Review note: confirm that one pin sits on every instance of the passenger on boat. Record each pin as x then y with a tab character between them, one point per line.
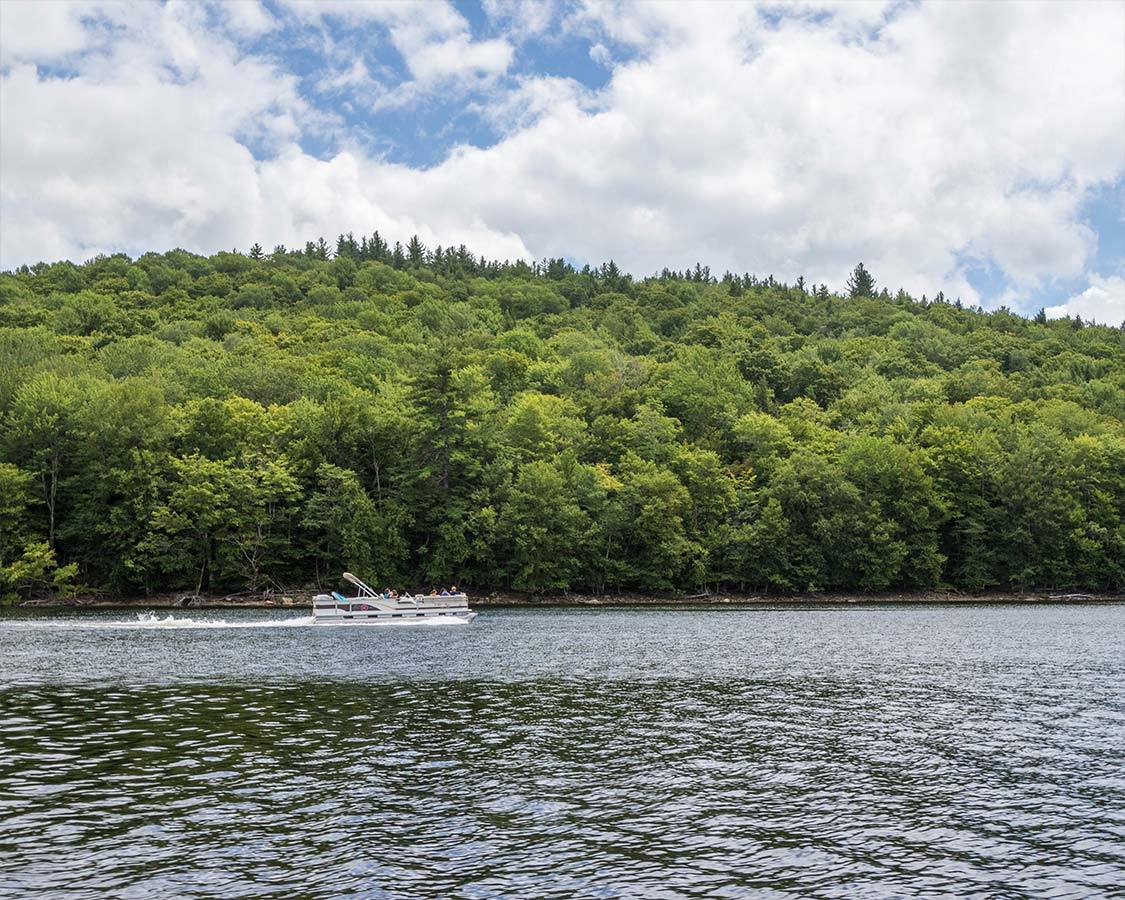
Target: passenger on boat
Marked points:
454	591
433	592
445	593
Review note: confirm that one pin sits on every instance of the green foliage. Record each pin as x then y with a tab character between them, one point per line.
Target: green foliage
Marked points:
36	572
548	530
861	283
227	422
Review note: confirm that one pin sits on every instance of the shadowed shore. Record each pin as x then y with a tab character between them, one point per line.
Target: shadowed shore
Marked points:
296	599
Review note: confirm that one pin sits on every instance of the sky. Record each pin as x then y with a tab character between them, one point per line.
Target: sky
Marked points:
972	148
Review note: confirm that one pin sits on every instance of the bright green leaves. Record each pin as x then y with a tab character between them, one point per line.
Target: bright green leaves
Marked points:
551	536
179	420
221	518
540	426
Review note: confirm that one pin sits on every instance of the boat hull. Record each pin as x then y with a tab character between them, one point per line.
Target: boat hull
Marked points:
384	618
331	610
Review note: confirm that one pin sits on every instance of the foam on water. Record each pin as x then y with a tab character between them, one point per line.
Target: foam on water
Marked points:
151	621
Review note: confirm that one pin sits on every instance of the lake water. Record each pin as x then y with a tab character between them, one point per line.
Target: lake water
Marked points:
852	751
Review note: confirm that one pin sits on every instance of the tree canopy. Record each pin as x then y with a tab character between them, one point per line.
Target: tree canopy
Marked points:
860	284
421	414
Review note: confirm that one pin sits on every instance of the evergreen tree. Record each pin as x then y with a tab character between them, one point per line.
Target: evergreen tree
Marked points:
347	247
861	284
256	251
377	249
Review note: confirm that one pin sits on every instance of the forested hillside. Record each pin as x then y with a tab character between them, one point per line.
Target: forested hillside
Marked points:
184	422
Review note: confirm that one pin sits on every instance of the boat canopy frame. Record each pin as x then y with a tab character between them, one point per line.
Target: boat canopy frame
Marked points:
364	590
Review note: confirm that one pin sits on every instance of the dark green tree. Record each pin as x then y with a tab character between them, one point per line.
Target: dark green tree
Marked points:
861	283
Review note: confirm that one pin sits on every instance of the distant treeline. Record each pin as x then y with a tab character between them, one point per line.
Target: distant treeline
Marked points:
423	416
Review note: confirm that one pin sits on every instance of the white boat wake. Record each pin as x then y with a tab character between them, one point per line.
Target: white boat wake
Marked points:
152	621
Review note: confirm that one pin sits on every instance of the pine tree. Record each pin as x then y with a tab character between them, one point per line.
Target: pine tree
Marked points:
861	283
256	251
415	251
346	246
377	249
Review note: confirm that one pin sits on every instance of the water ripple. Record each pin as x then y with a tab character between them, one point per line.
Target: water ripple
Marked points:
475	764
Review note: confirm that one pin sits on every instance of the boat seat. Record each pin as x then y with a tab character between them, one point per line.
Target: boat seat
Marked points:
338	597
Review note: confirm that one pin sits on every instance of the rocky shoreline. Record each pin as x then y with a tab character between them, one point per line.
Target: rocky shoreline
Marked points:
303	598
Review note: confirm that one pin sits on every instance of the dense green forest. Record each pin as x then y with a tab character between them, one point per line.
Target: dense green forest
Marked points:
180	422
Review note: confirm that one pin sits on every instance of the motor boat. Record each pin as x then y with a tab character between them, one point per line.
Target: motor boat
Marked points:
369	606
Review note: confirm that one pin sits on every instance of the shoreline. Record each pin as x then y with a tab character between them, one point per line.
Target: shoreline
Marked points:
300	599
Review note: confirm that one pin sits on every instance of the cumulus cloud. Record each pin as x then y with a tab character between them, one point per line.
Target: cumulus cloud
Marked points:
432	37
44	32
523	18
533	98
601	54
789	140
1103	301
246	18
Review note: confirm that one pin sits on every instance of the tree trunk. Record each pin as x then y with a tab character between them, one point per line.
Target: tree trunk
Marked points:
49	492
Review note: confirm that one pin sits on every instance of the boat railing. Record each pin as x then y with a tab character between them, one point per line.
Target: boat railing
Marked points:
338	601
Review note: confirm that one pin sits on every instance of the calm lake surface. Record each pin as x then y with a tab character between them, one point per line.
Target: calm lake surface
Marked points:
853	751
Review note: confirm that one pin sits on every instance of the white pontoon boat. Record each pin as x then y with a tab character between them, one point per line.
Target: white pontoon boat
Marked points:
369	606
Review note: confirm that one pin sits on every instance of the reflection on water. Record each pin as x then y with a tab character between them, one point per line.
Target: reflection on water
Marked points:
614	753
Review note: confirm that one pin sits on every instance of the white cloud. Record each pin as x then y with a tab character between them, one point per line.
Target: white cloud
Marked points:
147	137
533	98
791	144
1103	301
459	55
523	18
247	18
43	32
600	54
433	38
354	76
